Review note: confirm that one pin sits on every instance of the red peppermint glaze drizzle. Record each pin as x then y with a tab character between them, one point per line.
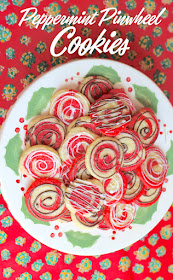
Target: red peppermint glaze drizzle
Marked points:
68	107
45	199
121	94
110	115
84	197
120	215
153	170
42	163
115	188
46	132
95	88
134	153
145	123
78	169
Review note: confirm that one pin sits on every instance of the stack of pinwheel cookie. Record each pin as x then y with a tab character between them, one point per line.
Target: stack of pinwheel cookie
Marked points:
92	158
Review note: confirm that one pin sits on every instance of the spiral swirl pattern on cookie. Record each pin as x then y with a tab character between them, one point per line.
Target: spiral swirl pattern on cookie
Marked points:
84	197
45	199
122	215
109	114
104	157
95	86
42	163
68	105
134	153
153	170
134	186
78	169
48	131
146	125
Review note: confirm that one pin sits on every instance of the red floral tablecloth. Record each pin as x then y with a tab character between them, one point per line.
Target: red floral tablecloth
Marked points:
24	54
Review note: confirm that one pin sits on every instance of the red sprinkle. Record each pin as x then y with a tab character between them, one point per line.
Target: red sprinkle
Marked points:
52	235
56	227
114	232
161	132
170	131
158	120
130	227
21	120
22	189
128	79
60	234
166	180
130	89
17	129
78	73
17	181
72	78
66	80
164	125
164	190
25	127
24	175
113	237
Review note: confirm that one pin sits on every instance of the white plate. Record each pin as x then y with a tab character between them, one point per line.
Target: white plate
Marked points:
81	242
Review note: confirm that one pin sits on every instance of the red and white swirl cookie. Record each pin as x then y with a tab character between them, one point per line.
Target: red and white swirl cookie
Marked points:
104	157
45	199
45	130
85	197
78	169
149	197
145	123
115	188
120	215
135	187
153	170
94	87
68	104
121	94
87	223
75	143
134	153
40	161
110	114
84	122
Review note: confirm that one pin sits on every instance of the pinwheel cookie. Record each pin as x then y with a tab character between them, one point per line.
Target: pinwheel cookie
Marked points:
45	130
40	161
76	143
145	123
45	199
94	87
104	157
68	104
85	197
110	114
120	215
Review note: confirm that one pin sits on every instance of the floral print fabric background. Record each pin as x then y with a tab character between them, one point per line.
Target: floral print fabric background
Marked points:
24	54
